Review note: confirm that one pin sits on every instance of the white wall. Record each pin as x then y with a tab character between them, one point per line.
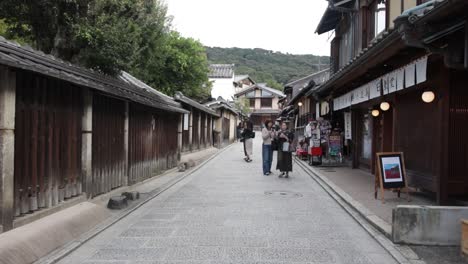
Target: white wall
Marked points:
223	87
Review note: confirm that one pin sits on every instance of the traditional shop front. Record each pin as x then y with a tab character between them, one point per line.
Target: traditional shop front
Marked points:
406	92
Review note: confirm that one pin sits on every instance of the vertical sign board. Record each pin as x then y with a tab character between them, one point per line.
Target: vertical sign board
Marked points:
390	173
347	125
317	111
186	122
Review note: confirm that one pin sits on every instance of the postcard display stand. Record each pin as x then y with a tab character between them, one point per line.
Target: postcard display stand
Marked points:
390	174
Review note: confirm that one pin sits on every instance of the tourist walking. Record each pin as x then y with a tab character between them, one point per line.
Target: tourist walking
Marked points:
268	135
239	131
285	139
247	138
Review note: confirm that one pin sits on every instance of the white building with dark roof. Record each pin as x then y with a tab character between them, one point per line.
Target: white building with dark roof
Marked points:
222	78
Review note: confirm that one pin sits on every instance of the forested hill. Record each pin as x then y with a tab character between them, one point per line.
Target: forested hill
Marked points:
274	68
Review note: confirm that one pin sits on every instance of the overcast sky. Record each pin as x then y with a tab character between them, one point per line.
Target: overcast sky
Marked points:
278	25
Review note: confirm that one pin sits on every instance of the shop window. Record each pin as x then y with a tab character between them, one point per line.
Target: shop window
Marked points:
267	103
252	103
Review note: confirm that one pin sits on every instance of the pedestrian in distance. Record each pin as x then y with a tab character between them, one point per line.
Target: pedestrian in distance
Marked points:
239	131
247	138
268	134
285	148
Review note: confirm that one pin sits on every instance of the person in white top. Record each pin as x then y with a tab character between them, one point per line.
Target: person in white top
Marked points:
268	135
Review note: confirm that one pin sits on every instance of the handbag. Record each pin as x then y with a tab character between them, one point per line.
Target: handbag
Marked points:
285	147
274	145
252	134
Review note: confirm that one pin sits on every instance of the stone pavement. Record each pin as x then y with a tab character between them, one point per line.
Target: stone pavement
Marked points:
228	212
359	185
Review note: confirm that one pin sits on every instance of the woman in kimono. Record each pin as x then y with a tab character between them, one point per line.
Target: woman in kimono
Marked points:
285	139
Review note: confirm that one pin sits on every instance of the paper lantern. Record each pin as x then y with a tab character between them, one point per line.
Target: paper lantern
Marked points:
428	96
375	113
384	106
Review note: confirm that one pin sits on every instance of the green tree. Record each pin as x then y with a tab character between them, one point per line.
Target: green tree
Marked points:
265	66
185	68
242	104
110	36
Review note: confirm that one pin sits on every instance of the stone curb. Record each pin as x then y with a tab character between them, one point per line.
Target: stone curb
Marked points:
374	225
62	252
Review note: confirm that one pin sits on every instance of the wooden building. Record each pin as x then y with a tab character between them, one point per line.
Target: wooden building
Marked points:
224	128
263	102
400	69
197	131
68	132
299	105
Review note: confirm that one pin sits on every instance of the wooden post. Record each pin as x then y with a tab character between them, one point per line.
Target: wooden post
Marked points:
126	175
7	146
206	130
179	136
191	129
87	138
199	130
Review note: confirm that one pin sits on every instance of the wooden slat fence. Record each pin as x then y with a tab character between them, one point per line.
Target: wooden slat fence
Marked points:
152	142
47	142
196	134
108	158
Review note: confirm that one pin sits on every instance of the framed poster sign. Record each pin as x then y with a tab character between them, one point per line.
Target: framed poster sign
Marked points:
390	173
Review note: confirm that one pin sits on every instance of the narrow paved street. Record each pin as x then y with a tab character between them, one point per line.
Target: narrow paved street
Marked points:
228	212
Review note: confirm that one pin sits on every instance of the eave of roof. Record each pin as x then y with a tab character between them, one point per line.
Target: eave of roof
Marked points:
182	98
262	87
15	56
329	21
382	42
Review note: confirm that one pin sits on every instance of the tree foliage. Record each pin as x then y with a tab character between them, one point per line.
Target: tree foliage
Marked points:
111	36
273	68
242	104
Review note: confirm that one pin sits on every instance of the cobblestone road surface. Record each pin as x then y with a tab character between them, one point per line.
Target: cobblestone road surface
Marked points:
228	212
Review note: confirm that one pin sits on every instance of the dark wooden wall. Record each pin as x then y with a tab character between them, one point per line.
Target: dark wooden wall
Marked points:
108	158
203	126
47	142
226	129
416	136
196	135
152	142
209	132
458	135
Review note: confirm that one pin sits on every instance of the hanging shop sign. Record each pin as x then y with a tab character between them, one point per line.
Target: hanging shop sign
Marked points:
347	125
402	78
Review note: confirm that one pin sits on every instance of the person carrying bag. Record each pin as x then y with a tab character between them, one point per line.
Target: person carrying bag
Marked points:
285	139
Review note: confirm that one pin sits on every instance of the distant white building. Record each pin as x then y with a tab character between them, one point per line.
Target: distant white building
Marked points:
222	78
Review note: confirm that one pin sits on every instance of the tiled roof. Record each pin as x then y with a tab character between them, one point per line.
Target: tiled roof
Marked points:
298	85
221	103
261	86
221	71
184	99
15	56
266	111
374	47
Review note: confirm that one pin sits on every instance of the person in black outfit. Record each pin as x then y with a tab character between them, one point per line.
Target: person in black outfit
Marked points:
247	137
284	164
